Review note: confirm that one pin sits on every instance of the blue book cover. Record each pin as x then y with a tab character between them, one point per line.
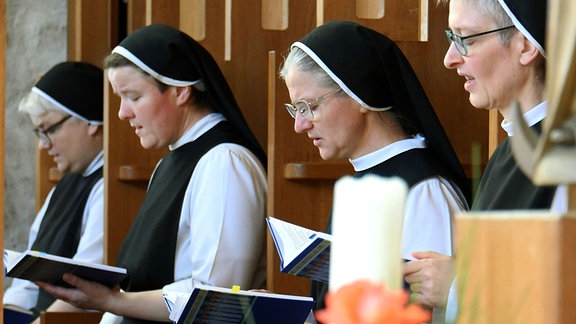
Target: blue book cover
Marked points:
14	315
40	266
227	306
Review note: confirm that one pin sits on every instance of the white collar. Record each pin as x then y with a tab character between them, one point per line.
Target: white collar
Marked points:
374	158
531	117
96	163
199	128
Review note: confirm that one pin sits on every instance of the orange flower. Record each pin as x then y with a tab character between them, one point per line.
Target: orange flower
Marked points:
365	302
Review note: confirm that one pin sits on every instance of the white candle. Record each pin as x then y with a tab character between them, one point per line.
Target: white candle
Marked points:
367	220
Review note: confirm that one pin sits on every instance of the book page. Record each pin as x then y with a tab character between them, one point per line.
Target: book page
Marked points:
290	238
10	257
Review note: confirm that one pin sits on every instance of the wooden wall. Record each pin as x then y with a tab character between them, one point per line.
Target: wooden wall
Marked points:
247	38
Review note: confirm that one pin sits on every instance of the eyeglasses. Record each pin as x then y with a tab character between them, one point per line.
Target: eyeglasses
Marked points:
43	134
305	108
459	40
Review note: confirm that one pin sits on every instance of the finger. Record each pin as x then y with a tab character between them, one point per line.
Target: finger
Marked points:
73	280
411	267
425	255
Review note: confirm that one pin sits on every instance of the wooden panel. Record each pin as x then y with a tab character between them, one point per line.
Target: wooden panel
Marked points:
162	12
71	317
124	190
89	34
370	9
193	18
317	170
136	13
274	14
495	133
402	20
494	284
90	39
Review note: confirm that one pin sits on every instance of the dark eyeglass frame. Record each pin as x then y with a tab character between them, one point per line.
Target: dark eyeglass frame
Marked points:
459	40
305	107
43	134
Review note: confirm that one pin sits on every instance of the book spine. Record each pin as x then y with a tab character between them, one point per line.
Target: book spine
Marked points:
22	267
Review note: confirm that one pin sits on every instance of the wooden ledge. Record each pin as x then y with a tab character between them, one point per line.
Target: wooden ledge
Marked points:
134	172
317	170
70	317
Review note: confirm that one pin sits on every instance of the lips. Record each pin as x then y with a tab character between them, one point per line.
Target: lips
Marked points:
137	129
470	81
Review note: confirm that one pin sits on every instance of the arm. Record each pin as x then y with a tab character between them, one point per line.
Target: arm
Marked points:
225	220
91	295
431	207
225	206
24	293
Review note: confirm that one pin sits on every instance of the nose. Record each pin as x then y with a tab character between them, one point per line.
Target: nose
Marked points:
301	125
453	58
125	113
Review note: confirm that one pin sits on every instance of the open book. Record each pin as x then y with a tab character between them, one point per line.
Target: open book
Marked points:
40	266
9	257
303	252
209	304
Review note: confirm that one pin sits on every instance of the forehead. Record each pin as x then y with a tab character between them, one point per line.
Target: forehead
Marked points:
47	118
468	16
301	84
126	77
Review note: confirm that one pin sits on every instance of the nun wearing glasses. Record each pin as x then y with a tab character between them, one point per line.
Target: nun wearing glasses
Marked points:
66	110
498	47
356	97
203	217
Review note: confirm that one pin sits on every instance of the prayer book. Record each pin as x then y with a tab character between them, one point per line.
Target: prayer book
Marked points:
41	266
303	252
16	315
208	304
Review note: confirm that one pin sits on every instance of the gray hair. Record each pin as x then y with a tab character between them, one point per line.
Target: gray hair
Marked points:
35	105
494	11
298	60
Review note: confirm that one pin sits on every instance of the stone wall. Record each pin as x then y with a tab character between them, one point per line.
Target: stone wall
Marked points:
36	41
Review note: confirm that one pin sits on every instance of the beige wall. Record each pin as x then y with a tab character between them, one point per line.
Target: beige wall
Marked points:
36	40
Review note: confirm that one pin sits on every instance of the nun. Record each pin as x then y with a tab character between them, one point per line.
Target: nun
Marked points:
354	94
66	108
498	47
202	219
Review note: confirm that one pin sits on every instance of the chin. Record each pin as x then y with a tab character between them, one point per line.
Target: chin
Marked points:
326	156
63	168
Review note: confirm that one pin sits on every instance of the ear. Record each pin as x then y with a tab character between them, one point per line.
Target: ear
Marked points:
93	129
182	94
529	53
